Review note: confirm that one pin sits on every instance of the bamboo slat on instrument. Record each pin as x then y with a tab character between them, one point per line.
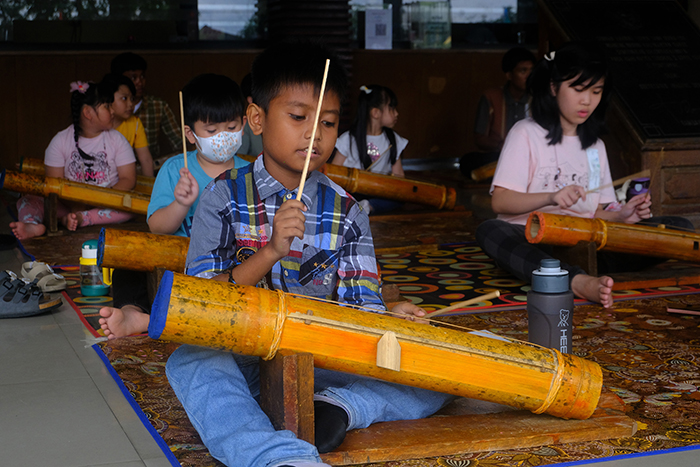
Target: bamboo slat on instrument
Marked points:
386	186
256	321
141	251
553	229
74	191
28	165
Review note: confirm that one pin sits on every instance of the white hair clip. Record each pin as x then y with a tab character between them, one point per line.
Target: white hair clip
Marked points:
365	89
549	57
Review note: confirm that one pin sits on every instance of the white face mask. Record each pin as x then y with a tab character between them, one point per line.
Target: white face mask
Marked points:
221	147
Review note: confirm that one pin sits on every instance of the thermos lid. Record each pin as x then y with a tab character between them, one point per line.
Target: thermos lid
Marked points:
90	249
550	277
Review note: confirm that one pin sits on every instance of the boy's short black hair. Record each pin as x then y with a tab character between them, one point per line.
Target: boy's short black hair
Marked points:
293	63
127	61
120	80
515	56
212	98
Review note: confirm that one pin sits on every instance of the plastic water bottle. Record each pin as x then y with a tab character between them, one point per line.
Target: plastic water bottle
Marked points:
550	307
94	281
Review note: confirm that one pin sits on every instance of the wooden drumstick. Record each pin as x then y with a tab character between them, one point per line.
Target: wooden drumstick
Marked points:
458	305
182	124
313	132
620	181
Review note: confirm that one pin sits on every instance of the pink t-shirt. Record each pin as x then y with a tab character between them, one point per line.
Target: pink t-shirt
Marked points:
110	150
528	164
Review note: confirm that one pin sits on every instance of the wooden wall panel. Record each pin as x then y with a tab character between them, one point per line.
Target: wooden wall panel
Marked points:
438	91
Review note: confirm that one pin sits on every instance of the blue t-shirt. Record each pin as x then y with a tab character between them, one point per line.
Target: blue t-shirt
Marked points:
169	175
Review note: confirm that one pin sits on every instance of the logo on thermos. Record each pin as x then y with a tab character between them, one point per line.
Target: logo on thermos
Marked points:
563	323
563	317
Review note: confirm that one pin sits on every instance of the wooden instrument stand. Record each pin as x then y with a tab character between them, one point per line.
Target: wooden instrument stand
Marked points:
286	396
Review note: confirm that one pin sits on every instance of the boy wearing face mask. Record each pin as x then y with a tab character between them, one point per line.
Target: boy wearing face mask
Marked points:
214	119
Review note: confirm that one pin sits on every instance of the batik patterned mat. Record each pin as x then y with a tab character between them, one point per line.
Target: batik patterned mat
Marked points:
649	359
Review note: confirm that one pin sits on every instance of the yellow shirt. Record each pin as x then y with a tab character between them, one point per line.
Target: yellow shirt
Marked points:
132	129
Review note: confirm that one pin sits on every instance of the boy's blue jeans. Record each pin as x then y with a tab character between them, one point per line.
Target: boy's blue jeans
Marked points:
218	391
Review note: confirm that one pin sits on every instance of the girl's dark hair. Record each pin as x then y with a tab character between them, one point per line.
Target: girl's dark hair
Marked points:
95	95
212	98
583	61
376	97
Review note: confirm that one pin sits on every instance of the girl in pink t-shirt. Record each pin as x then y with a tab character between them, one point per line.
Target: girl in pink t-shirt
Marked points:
88	151
555	162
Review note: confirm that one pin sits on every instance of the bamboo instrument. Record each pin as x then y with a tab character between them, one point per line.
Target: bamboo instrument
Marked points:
141	251
74	191
259	322
352	180
484	172
386	186
28	165
553	229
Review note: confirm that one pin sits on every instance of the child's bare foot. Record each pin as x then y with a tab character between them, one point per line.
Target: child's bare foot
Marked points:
24	230
128	320
595	289
72	220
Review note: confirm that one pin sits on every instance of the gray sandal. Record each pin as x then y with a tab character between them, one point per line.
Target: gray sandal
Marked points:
19	298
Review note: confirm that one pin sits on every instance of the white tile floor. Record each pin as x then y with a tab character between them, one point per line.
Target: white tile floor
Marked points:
59	406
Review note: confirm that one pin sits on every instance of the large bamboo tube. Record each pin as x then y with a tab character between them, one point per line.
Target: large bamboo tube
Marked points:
255	321
28	165
141	251
554	229
74	191
396	188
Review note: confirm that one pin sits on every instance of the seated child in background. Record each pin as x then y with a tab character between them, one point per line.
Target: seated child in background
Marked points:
155	114
371	144
250	229
214	118
88	151
129	125
555	162
252	144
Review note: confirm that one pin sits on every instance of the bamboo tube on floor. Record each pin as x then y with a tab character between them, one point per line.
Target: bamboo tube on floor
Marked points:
484	172
396	188
141	251
28	165
554	229
353	180
258	322
73	191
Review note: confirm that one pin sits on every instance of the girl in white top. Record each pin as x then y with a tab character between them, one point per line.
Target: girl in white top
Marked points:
555	162
88	151
371	144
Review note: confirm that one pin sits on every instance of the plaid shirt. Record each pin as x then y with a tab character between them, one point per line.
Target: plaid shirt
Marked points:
155	114
335	260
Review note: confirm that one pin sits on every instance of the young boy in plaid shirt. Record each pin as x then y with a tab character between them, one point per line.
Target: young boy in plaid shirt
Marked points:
249	228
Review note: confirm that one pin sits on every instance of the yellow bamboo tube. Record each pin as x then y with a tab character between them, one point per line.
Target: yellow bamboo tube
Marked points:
141	251
74	191
396	188
27	165
258	322
484	172
554	229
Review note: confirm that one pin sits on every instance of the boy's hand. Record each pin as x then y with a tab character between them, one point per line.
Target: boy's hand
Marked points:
410	312
568	196
636	209
288	223
187	188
